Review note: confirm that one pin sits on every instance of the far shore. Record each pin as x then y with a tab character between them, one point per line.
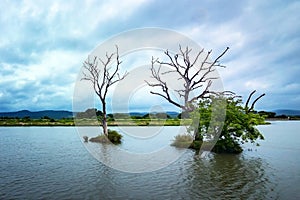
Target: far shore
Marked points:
121	122
92	122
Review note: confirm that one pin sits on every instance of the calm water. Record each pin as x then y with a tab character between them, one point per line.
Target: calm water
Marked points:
52	163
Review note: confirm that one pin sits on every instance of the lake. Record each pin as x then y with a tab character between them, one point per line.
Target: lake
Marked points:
54	163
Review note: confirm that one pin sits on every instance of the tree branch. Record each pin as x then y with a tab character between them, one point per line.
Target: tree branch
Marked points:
252	106
184	70
248	100
109	76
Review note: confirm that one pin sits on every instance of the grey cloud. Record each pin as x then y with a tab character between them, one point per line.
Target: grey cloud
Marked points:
264	43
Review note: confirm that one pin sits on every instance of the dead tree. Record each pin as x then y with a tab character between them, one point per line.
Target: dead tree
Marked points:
102	76
247	109
195	76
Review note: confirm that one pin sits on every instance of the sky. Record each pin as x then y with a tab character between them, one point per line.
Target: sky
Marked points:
44	43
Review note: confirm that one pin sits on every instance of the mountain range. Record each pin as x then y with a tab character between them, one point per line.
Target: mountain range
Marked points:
59	114
55	114
287	112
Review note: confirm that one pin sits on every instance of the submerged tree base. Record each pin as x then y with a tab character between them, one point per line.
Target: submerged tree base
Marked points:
223	146
219	147
113	137
186	141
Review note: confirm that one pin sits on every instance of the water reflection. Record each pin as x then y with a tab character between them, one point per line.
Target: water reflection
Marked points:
135	154
51	163
229	177
190	177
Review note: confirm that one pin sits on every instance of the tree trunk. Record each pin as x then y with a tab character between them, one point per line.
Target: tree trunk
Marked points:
195	124
104	120
104	125
196	134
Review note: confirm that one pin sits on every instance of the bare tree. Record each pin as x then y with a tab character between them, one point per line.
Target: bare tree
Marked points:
102	76
195	76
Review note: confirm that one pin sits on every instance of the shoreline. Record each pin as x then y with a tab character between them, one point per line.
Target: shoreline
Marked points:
86	123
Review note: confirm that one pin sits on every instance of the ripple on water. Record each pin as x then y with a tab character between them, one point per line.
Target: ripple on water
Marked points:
52	163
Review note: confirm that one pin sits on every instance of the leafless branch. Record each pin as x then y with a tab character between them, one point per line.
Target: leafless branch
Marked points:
247	109
194	77
248	100
252	105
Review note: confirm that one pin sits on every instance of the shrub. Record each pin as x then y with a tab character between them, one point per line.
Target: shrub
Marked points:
113	137
182	141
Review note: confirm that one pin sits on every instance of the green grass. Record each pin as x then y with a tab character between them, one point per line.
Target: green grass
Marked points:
35	122
91	122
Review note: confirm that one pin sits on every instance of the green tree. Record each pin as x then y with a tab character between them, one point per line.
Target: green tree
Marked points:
237	127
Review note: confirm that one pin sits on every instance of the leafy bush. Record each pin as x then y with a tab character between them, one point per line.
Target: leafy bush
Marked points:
113	137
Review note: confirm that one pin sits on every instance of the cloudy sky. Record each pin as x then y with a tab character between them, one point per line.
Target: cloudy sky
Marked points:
43	44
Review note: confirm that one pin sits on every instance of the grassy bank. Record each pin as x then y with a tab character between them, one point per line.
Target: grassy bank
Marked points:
90	122
94	122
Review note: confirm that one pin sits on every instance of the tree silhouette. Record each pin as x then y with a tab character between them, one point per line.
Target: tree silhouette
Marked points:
195	76
196	73
102	76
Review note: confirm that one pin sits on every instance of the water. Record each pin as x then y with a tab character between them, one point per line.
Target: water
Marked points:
52	163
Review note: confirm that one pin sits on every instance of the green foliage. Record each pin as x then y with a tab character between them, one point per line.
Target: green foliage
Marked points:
26	118
227	146
237	127
267	114
110	118
113	137
156	116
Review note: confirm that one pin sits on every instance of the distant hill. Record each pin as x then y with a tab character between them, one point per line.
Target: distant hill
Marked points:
59	114
38	114
287	112
137	114
172	114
